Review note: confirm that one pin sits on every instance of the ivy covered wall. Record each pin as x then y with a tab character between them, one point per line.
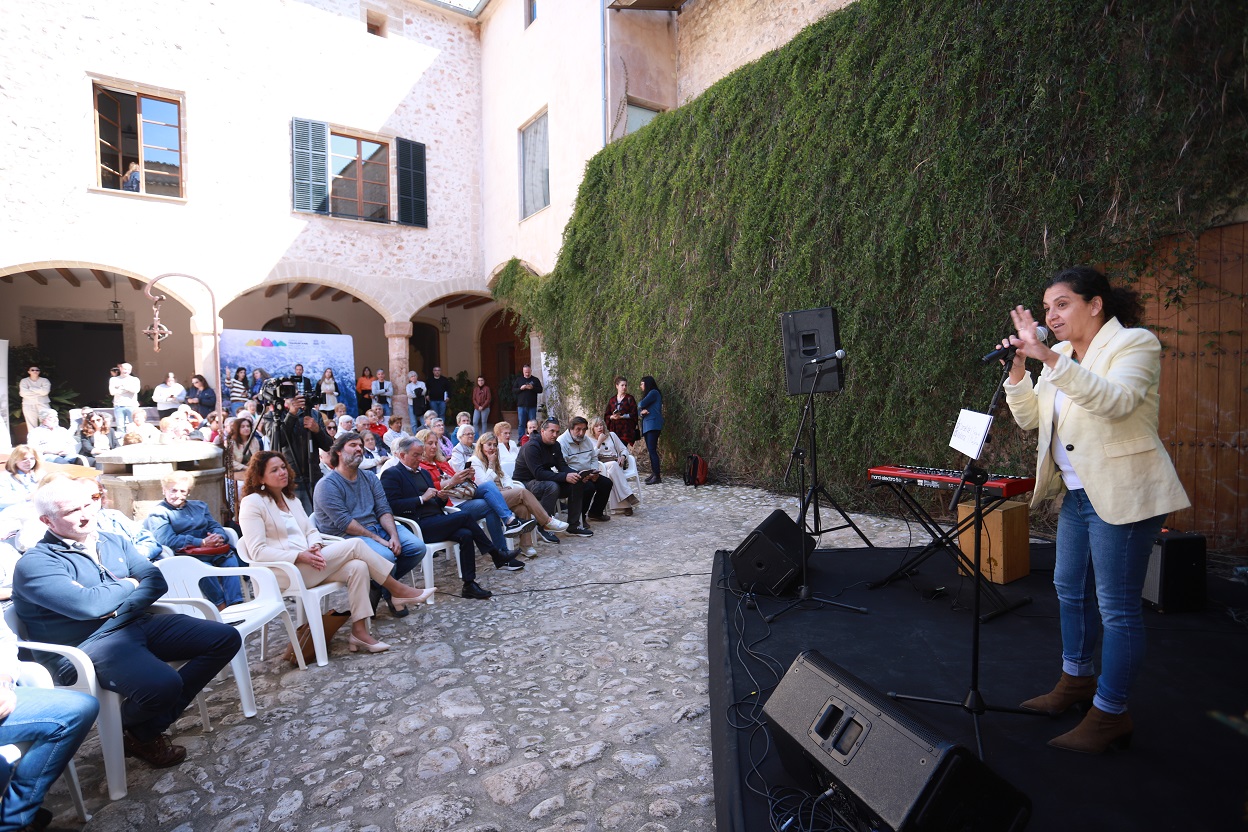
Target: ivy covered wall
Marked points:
921	167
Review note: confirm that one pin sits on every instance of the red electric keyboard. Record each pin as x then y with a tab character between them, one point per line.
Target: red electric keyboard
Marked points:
998	485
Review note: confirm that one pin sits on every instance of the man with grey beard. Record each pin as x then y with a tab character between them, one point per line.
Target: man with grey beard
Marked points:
351	503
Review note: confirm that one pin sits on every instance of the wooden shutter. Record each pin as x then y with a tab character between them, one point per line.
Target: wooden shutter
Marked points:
413	199
310	163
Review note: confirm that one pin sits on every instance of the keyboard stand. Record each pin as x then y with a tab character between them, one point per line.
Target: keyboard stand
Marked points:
947	540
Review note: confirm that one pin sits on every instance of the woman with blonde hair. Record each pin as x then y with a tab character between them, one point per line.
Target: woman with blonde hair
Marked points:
276	528
22	473
616	463
487	468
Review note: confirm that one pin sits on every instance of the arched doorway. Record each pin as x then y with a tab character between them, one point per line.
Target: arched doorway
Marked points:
302	323
424	349
503	352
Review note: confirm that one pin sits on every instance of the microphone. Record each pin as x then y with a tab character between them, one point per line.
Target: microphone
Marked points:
1002	353
839	355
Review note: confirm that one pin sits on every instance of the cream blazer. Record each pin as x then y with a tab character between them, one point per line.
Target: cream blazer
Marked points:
265	530
1108	425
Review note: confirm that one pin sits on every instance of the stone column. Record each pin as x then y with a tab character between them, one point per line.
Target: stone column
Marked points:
204	351
398	338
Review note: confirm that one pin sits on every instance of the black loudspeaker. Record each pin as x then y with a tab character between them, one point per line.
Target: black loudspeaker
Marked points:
1176	573
769	560
832	729
809	334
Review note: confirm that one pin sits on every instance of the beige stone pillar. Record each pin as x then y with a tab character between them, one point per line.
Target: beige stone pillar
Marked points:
398	338
204	351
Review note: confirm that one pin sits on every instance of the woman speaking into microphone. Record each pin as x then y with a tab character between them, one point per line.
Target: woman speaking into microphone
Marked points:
1095	406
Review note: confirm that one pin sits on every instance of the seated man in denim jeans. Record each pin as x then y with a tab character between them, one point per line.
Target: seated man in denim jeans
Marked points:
183	524
350	502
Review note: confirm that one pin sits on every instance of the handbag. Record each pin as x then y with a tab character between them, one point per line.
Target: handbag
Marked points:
206	551
332	621
463	491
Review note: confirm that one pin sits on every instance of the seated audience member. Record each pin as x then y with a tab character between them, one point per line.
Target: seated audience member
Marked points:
9	556
483	503
351	503
54	723
461	454
392	435
92	591
413	494
145	429
487	469
22	472
426	421
445	445
581	454
53	442
616	463
542	469
187	527
340	410
374	452
94	436
507	450
112	521
530	430
377	421
346	424
276	528
243	444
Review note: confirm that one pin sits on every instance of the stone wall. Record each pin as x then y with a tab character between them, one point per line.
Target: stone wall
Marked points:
717	36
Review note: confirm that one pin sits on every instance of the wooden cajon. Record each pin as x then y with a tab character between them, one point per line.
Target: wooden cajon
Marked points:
1005	554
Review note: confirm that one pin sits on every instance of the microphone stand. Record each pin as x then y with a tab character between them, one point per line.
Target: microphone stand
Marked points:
973	703
811	497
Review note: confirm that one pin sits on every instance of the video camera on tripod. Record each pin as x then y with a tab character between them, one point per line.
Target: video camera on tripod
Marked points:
276	391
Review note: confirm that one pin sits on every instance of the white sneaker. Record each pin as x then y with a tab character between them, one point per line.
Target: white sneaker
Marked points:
555	525
530	552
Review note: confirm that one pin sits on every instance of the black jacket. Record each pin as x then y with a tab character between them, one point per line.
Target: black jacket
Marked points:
403	490
526	398
539	461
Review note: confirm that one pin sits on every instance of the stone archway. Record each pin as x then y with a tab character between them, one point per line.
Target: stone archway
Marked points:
503	352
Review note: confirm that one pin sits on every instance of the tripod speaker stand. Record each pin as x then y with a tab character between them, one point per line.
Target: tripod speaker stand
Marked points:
810	497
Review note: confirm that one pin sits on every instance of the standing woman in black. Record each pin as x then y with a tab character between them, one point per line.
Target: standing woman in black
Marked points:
651	409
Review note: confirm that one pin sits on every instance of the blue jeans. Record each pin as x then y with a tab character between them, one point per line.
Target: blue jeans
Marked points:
439	408
481	421
652	448
523	415
56	722
121	417
1102	564
487	506
409	555
228	590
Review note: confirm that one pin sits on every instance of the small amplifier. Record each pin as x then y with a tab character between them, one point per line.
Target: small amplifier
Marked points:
1176	573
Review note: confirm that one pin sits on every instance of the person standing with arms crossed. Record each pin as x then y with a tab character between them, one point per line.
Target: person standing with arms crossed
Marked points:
36	393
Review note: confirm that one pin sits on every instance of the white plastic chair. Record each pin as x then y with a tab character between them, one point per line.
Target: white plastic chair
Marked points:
307	601
35	675
108	724
183	575
633	472
447	547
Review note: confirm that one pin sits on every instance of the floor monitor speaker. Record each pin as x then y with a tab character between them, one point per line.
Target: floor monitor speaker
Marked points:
832	729
1176	577
769	560
807	334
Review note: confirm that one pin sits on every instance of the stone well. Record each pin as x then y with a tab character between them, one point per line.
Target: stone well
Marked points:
132	475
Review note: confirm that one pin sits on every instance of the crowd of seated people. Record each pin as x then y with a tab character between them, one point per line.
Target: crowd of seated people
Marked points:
77	572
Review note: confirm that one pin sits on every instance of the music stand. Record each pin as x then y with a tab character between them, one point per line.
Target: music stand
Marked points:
973	703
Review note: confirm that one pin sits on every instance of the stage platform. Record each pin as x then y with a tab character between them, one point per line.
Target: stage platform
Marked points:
1187	769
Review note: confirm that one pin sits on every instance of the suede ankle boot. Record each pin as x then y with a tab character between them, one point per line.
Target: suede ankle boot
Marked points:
1069	691
1097	732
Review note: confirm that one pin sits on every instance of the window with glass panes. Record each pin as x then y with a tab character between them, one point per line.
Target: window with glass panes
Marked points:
360	178
140	142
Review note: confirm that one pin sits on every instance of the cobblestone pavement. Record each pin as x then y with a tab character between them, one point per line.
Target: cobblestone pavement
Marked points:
575	699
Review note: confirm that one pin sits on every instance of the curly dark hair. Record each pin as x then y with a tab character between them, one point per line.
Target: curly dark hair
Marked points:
255	474
1118	301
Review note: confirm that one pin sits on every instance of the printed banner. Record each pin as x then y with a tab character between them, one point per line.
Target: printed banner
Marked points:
277	353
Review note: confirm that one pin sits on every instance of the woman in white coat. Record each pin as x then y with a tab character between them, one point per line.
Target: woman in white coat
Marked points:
276	528
486	467
1095	406
616	462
